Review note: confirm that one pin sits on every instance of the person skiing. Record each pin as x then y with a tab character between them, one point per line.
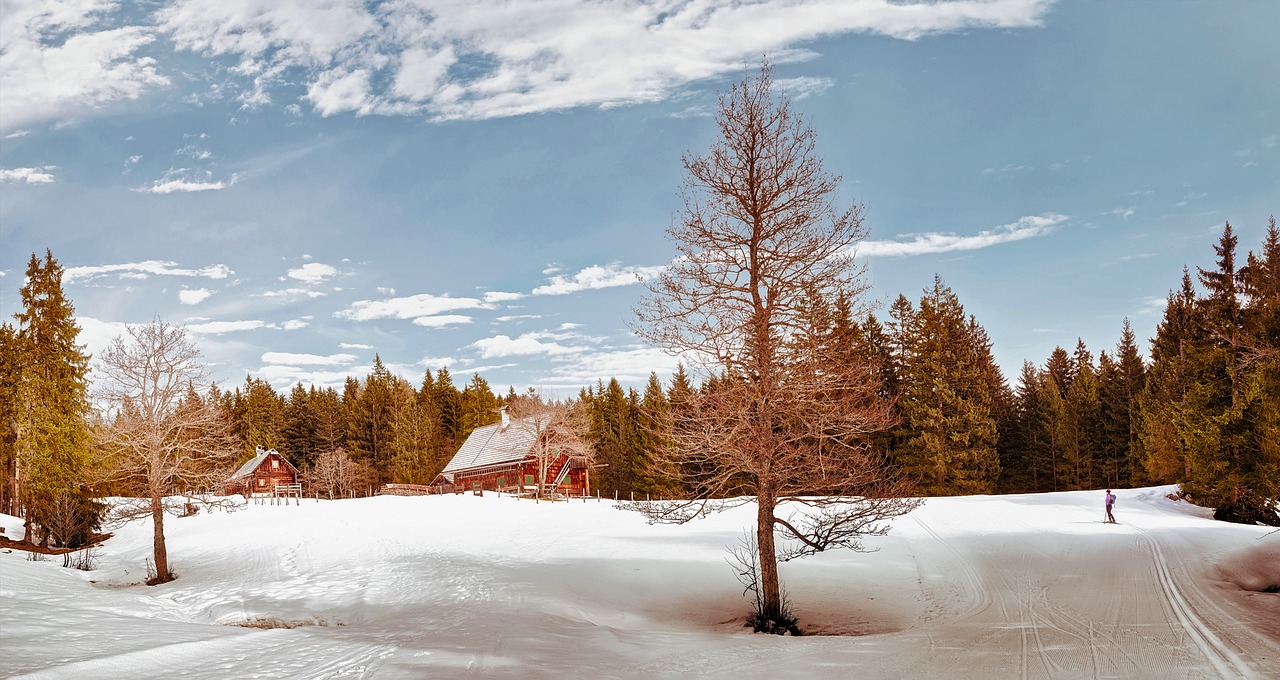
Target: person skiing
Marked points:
1111	500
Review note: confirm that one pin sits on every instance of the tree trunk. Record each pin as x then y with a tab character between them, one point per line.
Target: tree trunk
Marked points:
770	594
161	554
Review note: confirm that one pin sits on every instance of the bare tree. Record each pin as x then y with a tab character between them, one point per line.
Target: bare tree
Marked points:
780	420
335	473
555	428
157	433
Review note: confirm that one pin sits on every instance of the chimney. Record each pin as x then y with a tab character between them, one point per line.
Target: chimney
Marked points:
506	419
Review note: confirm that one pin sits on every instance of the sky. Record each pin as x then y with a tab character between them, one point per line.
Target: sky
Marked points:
485	186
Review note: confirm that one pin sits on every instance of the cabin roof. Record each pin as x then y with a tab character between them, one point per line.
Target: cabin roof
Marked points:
253	463
492	445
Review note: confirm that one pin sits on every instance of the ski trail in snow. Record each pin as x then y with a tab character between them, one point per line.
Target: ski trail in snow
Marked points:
980	596
1220	655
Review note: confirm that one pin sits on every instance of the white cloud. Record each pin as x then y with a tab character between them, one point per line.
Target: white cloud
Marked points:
184	180
805	86
294	292
313	272
527	344
411	307
308	359
17	133
354	345
296	324
435	363
54	65
193	296
938	242
220	327
517	317
40	175
631	365
142	270
597	276
283	377
442	321
498	296
479	60
96	335
1010	169
1125	212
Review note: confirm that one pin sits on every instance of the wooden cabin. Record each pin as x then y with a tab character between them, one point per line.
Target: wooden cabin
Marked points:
262	474
502	457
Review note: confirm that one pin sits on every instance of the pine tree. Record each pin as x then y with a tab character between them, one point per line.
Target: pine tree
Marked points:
478	407
1083	411
369	429
1121	381
10	374
51	432
259	417
1020	469
950	444
1169	379
413	433
448	406
300	430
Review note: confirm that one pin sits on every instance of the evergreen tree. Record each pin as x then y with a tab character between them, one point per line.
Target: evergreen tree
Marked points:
1021	462
1122	380
51	442
259	417
1169	379
10	374
369	428
448	404
1083	415
950	445
300	431
413	434
478	407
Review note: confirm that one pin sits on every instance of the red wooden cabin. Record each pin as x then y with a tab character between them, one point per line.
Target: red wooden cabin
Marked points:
262	474
503	457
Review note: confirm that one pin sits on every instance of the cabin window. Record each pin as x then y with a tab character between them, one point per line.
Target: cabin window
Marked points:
262	482
528	479
502	481
275	464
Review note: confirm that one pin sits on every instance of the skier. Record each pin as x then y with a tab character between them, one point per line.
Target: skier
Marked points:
1111	500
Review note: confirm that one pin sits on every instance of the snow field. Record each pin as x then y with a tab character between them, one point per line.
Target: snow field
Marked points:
1030	586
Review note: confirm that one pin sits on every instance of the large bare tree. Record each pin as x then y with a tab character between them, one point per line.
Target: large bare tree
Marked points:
763	247
158	435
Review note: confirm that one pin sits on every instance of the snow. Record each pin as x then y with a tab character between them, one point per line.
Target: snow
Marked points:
1025	586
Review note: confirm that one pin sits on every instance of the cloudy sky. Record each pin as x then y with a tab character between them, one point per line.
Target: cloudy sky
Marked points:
482	185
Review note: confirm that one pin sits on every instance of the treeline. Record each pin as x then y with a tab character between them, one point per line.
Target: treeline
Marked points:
1203	411
379	429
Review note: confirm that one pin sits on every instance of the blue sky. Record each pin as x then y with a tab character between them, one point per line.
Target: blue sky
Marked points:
482	187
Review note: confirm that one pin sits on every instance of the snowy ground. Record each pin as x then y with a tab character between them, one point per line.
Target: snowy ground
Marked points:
1029	586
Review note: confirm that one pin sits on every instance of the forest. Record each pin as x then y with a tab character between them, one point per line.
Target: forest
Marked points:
1201	409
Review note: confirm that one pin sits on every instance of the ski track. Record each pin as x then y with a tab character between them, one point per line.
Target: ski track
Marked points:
1224	659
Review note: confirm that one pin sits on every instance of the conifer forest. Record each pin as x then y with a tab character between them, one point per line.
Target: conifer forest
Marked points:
1197	405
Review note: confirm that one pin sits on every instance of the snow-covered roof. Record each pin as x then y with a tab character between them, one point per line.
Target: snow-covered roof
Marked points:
492	445
253	463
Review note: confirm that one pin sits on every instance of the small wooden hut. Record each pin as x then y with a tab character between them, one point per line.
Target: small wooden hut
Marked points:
262	474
